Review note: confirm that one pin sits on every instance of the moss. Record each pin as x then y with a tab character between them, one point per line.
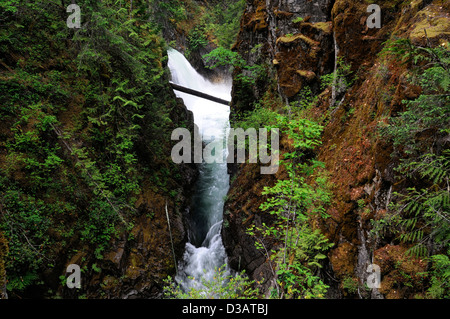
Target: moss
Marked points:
343	259
294	38
350	284
400	271
323	26
430	25
309	75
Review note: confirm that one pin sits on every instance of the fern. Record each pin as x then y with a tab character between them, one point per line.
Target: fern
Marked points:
21	282
428	207
440	279
421	214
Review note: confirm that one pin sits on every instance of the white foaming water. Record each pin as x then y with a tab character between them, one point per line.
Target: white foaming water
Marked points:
204	252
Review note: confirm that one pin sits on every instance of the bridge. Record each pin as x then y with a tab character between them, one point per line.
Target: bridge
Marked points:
199	94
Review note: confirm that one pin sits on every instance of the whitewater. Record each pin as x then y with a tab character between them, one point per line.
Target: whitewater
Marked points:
204	251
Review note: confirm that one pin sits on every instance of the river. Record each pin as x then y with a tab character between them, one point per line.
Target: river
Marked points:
204	252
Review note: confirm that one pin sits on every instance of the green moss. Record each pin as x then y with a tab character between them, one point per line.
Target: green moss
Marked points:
88	120
293	38
324	26
430	26
309	75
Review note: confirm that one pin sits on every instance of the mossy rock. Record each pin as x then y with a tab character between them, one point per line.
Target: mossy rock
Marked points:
323	26
431	27
309	75
291	39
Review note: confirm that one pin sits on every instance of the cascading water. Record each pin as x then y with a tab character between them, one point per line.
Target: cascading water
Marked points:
204	252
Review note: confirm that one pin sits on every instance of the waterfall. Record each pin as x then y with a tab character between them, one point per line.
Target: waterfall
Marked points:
204	252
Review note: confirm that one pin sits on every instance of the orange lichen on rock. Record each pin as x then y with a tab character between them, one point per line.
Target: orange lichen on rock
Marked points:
256	20
399	271
343	259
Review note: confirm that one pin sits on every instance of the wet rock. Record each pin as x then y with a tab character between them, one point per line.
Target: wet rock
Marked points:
299	53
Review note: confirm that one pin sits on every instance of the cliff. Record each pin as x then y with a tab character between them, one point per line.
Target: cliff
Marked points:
85	171
297	43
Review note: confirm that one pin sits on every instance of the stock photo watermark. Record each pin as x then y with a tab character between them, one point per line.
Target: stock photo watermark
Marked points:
373	280
74	279
374	20
74	20
214	152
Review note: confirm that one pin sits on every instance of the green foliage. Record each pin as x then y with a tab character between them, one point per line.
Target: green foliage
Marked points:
249	74
422	212
223	286
20	283
341	79
172	10
293	203
24	221
214	23
225	57
9	6
260	117
423	215
86	118
299	281
350	284
419	215
298	20
440	279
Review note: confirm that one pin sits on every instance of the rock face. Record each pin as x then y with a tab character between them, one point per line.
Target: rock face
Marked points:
139	258
292	39
298	42
112	183
318	11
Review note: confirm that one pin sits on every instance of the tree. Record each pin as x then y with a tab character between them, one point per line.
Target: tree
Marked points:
294	202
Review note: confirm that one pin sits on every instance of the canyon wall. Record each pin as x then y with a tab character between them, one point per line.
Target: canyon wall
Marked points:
298	42
85	143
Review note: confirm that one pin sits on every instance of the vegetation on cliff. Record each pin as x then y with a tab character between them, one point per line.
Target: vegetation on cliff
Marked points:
86	121
383	105
419	215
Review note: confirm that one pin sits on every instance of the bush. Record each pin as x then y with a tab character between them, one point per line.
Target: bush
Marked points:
223	286
293	203
419	215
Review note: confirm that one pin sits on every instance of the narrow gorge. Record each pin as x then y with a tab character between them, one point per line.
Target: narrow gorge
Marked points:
359	207
204	253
